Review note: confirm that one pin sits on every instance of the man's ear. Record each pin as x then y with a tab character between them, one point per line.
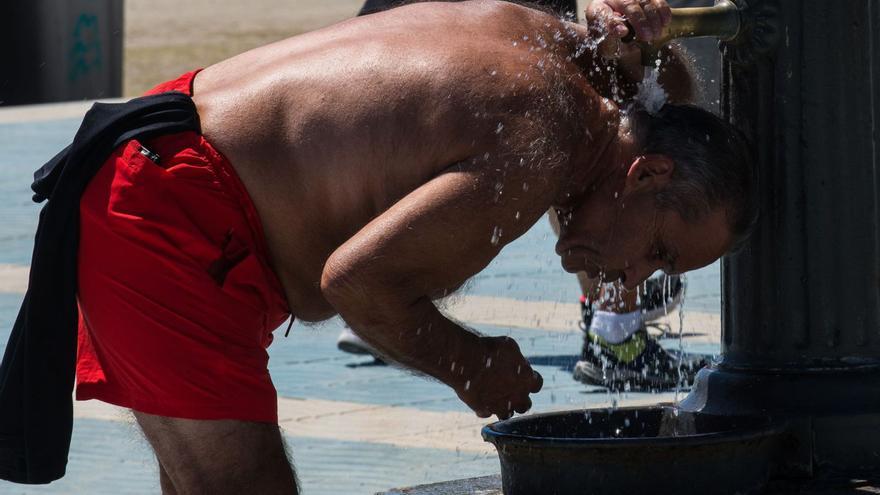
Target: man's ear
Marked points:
648	173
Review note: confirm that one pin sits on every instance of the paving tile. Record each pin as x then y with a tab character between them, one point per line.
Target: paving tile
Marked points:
23	149
110	457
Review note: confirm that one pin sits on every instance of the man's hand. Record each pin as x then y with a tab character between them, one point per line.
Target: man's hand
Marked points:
647	17
501	386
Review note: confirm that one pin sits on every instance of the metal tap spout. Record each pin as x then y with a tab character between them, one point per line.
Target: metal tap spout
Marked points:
724	21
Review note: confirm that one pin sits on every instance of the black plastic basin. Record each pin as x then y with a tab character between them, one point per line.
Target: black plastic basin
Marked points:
625	451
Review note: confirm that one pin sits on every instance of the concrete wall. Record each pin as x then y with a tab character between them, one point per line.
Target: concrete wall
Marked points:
54	50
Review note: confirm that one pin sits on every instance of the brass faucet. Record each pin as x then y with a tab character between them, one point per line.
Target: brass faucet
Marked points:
723	21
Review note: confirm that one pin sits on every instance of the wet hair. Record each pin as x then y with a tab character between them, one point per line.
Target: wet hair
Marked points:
713	166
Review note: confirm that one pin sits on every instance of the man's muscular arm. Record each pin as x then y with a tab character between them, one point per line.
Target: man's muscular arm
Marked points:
435	238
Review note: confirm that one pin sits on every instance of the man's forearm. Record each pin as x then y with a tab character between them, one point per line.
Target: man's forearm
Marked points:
418	336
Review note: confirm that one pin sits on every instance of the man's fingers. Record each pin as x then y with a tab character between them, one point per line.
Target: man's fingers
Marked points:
665	12
537	382
523	406
635	14
608	20
654	16
618	27
647	17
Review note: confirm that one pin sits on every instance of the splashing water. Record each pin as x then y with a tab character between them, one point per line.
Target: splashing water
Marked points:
651	94
681	375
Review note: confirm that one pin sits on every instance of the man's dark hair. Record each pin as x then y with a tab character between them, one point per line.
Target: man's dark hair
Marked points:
713	166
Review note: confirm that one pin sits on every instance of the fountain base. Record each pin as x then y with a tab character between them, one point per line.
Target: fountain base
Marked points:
635	450
833	413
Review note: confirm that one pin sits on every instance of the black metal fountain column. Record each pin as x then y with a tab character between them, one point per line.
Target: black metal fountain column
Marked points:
801	303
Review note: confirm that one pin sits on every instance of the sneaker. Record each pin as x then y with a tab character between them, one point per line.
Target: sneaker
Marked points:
587	313
668	288
349	342
636	363
651	297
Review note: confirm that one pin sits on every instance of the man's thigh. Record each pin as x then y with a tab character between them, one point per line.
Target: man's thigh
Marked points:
219	456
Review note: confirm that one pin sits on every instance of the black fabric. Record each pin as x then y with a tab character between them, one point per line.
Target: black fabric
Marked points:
38	368
561	7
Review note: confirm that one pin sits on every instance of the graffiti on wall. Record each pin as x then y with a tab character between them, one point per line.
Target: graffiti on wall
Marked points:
86	46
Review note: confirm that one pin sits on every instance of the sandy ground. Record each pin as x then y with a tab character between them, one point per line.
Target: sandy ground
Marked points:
164	38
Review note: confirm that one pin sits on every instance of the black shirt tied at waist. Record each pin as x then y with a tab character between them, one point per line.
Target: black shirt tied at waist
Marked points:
38	368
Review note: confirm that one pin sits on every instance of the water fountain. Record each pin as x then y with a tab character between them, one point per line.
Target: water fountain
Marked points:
801	304
795	398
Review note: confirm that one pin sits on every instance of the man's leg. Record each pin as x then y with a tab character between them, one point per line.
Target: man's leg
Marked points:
164	481
218	457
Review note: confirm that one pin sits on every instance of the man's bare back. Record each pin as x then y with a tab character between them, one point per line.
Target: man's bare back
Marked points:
331	129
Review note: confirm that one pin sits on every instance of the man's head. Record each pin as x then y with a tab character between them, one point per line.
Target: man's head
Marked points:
680	201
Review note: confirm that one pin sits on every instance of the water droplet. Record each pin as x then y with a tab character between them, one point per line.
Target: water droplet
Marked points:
496	236
525	38
467	385
516	216
525	186
488	362
499	128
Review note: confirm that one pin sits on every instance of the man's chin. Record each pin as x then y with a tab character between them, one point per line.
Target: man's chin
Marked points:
572	269
591	271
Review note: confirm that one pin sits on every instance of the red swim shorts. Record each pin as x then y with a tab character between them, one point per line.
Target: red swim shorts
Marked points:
177	299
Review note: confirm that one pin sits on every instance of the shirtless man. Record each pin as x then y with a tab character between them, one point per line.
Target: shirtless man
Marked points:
363	170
